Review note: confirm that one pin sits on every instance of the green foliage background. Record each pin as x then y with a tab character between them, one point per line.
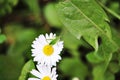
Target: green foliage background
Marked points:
90	30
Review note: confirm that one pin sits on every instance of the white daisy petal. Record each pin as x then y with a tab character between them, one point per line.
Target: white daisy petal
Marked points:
33	79
51	35
36	73
46	35
37	58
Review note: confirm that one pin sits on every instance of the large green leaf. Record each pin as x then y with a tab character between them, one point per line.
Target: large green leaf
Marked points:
81	18
26	70
83	21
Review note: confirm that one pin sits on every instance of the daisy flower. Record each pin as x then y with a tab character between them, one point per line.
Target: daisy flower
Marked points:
46	49
44	73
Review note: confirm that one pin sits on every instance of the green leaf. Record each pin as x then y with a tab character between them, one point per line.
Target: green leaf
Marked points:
72	43
51	15
2	38
80	69
26	70
91	57
98	72
100	69
83	19
54	41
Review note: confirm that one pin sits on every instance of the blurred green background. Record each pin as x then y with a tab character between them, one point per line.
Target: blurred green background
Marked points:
23	20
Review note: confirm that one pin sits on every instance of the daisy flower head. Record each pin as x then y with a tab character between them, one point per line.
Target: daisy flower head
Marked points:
46	49
44	73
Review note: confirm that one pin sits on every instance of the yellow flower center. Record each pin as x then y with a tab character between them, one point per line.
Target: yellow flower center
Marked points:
46	78
48	50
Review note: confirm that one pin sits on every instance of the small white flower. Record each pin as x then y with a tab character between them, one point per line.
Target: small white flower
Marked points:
44	52
44	73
